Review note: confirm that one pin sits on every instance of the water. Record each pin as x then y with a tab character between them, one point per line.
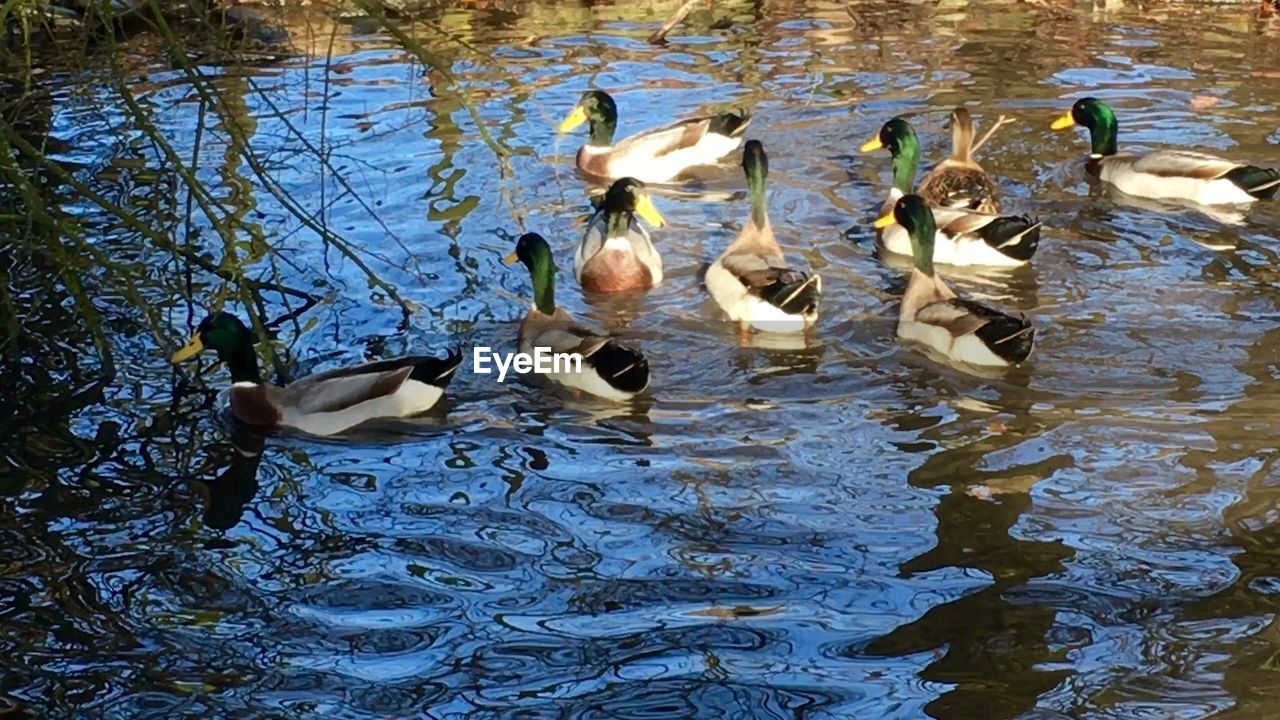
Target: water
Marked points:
845	529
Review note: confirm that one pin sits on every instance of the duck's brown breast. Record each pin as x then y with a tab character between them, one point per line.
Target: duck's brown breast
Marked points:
252	406
594	163
615	271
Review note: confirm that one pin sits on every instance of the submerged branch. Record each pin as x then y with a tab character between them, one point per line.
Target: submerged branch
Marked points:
660	36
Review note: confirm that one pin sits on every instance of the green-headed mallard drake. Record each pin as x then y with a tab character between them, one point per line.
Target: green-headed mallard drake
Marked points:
1165	174
654	156
616	253
326	403
931	313
959	181
964	237
751	281
608	369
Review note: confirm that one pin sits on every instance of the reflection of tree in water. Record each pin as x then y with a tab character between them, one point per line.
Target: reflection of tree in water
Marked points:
994	638
1245	438
89	514
47	360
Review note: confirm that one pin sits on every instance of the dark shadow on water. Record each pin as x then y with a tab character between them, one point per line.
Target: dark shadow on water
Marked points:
228	493
991	643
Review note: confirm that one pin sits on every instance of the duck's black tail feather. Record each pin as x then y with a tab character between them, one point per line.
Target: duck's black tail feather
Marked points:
794	292
437	371
622	367
1010	337
730	124
1261	183
1016	236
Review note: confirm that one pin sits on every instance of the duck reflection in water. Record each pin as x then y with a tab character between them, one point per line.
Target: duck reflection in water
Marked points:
993	647
226	495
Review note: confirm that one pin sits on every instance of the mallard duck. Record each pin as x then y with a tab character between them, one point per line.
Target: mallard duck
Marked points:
608	368
654	156
931	313
1165	174
751	281
616	253
959	181
323	404
964	237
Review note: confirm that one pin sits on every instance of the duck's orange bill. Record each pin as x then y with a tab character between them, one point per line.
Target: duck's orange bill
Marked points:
1063	122
646	209
193	348
576	118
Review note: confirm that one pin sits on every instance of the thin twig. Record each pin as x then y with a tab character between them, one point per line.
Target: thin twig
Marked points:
240	142
660	36
323	156
1004	120
223	221
133	223
70	274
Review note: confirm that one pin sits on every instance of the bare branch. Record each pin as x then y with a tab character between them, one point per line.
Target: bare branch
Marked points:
676	18
1001	122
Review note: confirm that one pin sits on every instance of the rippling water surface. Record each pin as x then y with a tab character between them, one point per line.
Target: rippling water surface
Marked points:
845	529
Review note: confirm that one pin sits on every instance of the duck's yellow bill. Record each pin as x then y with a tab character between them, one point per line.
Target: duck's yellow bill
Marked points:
576	118
872	144
1063	122
646	210
885	220
511	259
193	348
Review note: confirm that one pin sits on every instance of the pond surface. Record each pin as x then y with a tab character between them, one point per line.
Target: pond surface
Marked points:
844	529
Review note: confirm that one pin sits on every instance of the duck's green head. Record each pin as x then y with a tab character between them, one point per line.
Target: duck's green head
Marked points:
535	254
1098	117
916	217
897	135
597	108
628	195
230	339
756	165
755	162
899	138
532	251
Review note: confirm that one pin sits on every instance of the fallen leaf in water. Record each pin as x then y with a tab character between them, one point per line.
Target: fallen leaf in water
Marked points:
982	492
731	612
1004	485
1200	102
1266	73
